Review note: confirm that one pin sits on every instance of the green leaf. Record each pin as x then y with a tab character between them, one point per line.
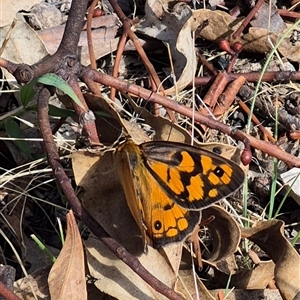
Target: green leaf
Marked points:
61	112
13	131
27	93
56	81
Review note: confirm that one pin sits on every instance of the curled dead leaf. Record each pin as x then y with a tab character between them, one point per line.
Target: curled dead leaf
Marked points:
269	236
224	231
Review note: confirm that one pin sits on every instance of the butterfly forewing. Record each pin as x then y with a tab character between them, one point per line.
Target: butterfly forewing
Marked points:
194	178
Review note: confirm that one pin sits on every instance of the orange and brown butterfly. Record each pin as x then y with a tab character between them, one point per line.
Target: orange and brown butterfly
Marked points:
166	185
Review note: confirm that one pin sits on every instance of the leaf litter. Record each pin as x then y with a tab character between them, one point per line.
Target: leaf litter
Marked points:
230	250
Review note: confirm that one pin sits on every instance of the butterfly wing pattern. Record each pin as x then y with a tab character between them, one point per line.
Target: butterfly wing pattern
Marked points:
166	185
194	178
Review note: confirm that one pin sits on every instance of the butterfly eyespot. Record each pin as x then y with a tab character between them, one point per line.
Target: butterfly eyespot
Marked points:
217	150
157	225
219	172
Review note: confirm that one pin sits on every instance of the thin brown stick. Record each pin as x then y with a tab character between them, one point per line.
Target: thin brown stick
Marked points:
79	210
119	53
215	90
280	76
255	120
86	116
154	79
89	34
248	18
289	14
7	293
150	96
227	98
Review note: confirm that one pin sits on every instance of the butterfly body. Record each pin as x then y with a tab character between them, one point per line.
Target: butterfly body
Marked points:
166	184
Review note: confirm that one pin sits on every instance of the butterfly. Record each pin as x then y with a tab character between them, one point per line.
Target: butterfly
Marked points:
167	184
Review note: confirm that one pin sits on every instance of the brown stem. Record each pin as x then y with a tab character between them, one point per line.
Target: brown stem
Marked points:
7	293
255	120
150	96
227	97
89	34
248	18
215	90
120	50
281	76
79	210
86	116
73	27
154	79
289	14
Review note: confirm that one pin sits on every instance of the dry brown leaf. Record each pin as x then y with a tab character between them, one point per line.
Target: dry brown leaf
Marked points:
222	25
9	8
269	236
19	47
105	200
173	28
115	278
256	40
172	253
257	278
38	281
238	294
103	36
186	286
110	128
104	197
67	276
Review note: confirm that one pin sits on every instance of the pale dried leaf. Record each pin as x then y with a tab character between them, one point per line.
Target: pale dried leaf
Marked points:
115	278
105	200
257	278
264	15
291	179
19	47
67	276
186	286
20	44
9	8
38	281
172	253
238	294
